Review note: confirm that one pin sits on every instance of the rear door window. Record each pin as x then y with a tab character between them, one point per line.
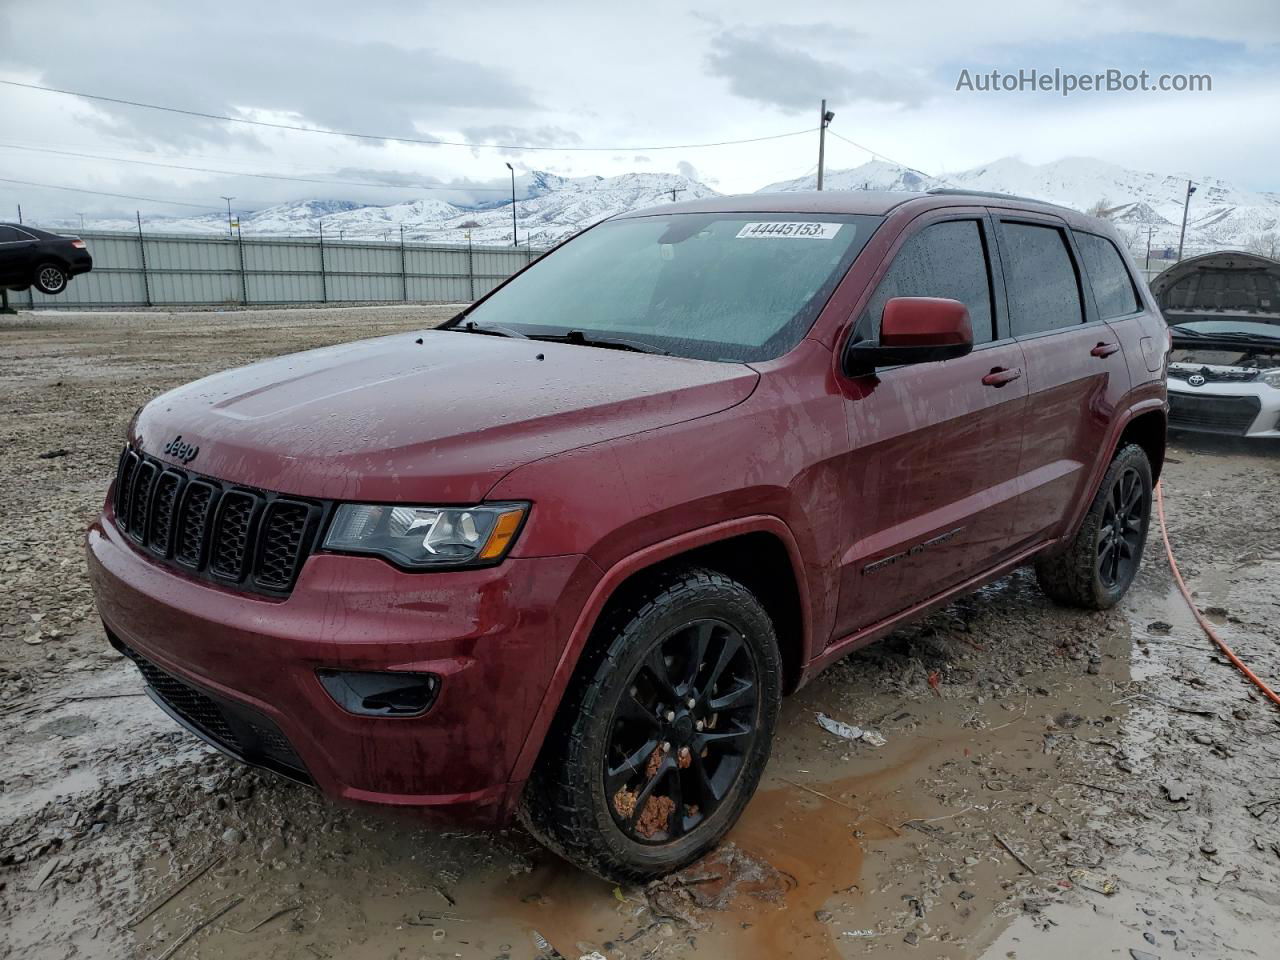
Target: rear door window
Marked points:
1040	276
1109	279
945	259
9	235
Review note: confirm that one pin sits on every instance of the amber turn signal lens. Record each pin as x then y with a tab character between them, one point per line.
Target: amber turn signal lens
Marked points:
504	532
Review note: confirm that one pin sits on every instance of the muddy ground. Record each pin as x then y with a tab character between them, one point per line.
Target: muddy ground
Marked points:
1054	784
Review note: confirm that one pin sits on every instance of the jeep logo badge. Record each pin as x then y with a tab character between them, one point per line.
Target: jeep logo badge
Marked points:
176	448
1196	380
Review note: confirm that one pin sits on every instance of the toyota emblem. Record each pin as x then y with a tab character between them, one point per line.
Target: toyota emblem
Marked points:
1196	380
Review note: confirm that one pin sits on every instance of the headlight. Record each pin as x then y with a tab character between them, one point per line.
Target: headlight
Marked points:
427	536
1271	377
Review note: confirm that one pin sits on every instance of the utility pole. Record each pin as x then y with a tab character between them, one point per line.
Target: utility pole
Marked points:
1150	228
230	234
1185	204
825	116
81	216
515	242
675	190
19	214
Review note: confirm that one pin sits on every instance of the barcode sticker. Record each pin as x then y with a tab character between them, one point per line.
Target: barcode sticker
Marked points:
777	229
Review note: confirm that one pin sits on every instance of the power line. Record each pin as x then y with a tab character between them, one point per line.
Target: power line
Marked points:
260	176
102	193
881	156
380	137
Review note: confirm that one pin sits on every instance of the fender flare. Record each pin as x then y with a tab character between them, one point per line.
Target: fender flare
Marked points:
609	583
1142	407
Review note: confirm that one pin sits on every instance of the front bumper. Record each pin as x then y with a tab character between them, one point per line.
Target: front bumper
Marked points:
1232	409
493	636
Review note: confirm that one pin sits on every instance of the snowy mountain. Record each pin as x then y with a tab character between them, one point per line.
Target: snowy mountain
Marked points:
1220	216
552	207
875	175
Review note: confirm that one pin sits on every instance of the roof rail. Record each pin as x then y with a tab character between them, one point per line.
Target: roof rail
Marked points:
958	192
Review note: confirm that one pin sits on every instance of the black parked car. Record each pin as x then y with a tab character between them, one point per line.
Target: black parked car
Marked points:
37	258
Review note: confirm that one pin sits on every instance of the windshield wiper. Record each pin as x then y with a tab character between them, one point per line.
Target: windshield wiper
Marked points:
494	331
579	338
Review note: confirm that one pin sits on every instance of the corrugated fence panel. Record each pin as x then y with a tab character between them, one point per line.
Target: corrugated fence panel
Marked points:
190	270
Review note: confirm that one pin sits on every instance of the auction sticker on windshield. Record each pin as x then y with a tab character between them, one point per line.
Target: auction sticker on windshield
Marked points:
804	229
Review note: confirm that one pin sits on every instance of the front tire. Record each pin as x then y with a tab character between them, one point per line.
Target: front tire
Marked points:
1099	565
50	279
662	742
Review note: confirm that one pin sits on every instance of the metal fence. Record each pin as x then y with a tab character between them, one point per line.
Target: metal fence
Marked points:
143	270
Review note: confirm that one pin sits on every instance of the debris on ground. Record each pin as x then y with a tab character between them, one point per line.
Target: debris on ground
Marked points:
850	732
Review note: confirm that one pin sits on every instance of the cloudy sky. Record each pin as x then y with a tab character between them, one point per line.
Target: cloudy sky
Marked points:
628	79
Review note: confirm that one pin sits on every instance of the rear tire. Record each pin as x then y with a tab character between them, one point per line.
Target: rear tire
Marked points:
50	279
662	740
1098	566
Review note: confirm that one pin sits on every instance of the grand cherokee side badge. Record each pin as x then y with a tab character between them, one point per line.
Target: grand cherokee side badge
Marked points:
176	448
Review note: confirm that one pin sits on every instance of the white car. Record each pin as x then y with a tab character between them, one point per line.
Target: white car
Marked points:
1223	311
1224	377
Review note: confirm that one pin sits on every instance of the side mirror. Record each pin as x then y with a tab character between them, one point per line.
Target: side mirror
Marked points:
913	330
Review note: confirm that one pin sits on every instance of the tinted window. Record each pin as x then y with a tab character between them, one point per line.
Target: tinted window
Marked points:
8	235
1041	278
1112	286
943	260
712	286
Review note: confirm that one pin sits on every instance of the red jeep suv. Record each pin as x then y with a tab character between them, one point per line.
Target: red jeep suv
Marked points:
563	556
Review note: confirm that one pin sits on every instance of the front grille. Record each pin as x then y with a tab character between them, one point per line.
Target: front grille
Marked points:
252	539
1215	376
239	730
1233	415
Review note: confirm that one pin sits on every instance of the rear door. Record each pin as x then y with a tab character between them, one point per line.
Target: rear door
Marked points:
15	255
1076	372
933	467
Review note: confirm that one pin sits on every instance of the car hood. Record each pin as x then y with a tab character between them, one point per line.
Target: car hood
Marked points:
434	416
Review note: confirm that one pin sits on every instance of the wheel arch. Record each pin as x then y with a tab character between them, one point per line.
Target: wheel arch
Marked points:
1144	424
760	552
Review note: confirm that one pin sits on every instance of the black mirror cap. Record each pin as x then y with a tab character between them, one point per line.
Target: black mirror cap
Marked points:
866	356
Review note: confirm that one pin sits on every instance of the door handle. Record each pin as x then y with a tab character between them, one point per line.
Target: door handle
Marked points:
1104	350
999	376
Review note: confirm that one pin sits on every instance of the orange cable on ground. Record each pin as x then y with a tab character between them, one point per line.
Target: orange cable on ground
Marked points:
1200	618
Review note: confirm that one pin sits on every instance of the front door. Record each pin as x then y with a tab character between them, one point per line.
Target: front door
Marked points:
934	465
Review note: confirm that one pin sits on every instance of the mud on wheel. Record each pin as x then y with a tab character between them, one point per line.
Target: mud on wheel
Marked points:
1098	566
658	750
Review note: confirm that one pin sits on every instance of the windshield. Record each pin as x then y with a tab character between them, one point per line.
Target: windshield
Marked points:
1236	328
732	287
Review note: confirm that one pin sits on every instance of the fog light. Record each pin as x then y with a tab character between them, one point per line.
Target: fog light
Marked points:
381	694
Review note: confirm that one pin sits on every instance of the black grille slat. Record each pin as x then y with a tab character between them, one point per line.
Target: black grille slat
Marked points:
140	497
1233	415
1215	376
193	524
284	529
250	539
234	526
163	507
124	479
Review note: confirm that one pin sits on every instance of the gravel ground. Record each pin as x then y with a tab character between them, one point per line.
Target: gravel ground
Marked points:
1054	784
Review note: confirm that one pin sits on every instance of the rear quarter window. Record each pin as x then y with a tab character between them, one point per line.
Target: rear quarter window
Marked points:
1040	276
1109	279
